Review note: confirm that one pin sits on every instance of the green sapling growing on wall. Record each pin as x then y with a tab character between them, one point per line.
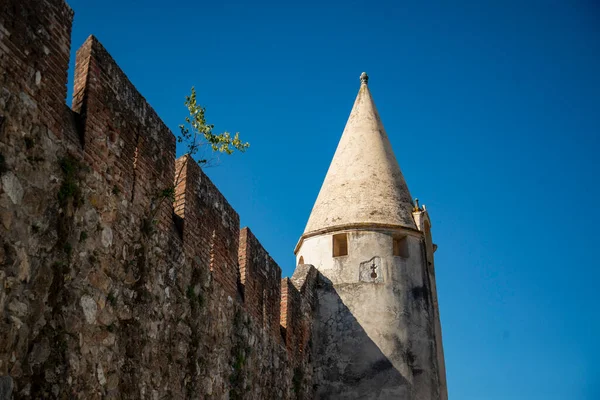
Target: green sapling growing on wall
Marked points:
201	144
197	134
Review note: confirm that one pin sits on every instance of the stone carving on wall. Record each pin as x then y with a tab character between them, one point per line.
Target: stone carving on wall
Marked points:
370	271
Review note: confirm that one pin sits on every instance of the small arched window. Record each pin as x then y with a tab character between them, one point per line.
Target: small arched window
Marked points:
301	260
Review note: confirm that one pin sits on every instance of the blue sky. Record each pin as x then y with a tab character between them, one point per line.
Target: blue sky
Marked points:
493	110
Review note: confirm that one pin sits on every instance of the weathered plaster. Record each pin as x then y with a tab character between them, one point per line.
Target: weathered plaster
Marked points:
364	182
374	338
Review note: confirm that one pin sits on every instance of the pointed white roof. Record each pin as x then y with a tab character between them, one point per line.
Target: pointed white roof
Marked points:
364	185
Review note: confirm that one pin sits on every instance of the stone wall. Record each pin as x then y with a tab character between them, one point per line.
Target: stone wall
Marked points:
211	227
298	298
106	289
260	277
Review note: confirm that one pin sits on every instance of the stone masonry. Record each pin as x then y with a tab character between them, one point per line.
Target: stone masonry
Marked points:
107	290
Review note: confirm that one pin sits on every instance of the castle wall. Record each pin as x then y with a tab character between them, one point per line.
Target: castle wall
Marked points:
34	121
298	299
123	138
107	288
261	279
375	324
290	298
211	227
34	57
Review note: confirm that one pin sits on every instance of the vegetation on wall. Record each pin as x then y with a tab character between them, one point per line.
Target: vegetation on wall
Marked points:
202	144
239	354
69	189
54	338
198	135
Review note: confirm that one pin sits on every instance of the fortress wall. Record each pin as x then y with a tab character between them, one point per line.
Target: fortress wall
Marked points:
260	277
123	138
34	58
290	311
210	225
304	279
298	301
97	302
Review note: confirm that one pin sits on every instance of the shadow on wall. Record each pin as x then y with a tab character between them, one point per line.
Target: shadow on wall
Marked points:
350	364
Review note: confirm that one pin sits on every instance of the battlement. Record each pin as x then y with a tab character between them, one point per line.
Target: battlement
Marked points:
124	140
211	227
260	277
124	283
122	137
297	300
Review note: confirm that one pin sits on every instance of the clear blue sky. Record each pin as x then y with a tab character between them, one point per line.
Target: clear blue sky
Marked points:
493	109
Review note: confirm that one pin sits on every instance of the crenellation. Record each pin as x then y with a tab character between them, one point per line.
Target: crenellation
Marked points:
134	310
290	312
37	76
297	307
260	277
210	225
123	138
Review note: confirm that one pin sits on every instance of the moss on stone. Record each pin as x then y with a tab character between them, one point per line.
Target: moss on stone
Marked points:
239	353
69	189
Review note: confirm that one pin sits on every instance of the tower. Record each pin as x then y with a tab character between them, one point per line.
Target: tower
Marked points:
377	331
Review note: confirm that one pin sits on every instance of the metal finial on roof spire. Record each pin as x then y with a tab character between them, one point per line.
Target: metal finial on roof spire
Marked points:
364	78
417	207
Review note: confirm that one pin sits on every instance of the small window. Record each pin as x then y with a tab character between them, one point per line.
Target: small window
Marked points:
301	261
400	246
340	245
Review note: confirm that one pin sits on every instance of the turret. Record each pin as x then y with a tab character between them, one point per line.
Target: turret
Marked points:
377	333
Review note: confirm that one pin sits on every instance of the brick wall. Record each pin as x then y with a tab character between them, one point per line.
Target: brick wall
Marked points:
290	312
93	304
260	277
34	58
210	225
123	138
297	303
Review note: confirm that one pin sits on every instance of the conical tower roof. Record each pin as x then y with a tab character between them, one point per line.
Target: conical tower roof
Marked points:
364	185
